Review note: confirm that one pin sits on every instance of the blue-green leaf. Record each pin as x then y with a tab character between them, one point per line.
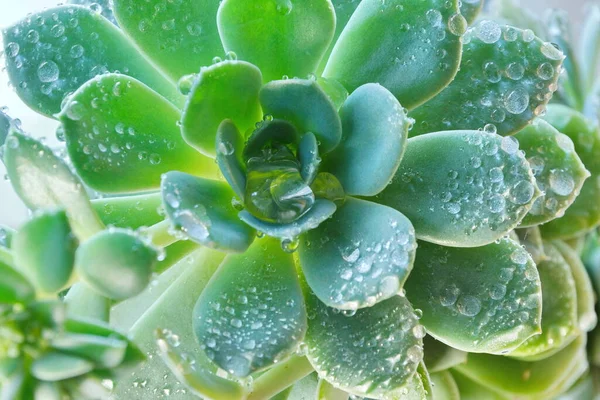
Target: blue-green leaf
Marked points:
343	11
202	210
480	189
131	212
55	366
230	144
105	352
444	386
50	54
374	131
589	49
281	37
383	43
308	155
359	257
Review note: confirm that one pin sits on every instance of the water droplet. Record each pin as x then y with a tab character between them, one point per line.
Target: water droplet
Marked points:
515	71
509	144
468	306
12	49
522	192
290	245
415	353
545	71
75	110
284	7
48	71
488	32
497	291
32	36
517	100
491	72
389	286
449	295
561	182
519	256
434	17
194	29
552	52
457	25
528	35
155	159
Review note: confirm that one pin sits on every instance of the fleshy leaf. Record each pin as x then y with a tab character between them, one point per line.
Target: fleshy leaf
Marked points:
346	275
374	132
444	386
55	366
267	132
50	54
383	43
44	181
251	314
557	168
559	309
485	299
308	155
116	263
303	103
584	213
470	9
326	391
506	78
439	357
281	37
179	36
14	288
343	11
122	136
375	362
202	210
230	144
44	250
320	211
227	90
105	352
589	50
470	390
479	190
130	212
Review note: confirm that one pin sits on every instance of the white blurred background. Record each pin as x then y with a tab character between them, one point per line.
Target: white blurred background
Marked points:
12	212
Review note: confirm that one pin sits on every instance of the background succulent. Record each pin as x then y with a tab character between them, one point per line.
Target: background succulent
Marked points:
302	199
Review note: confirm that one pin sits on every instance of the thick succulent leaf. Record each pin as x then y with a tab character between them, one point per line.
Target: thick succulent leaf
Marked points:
515	14
268	131
6	235
50	54
359	257
179	36
506	78
116	263
55	366
470	9
44	250
477	192
531	239
375	362
84	302
374	132
5	123
444	386
586	315
485	299
590	255
105	352
383	43
226	90
326	391
419	387
589	49
230	145
14	288
44	181
202	210
583	389
251	314
303	103
557	168
308	155
584	213
515	378
319	212
284	375
439	356
470	390
122	136
343	11
103	7
280	37
131	212
559	308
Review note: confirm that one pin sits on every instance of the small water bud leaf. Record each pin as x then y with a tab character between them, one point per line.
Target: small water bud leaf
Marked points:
56	366
308	156
444	386
359	257
44	250
484	299
105	352
281	37
130	212
123	139
251	314
14	287
506	78
374	132
412	48
230	144
226	90
477	192
439	356
201	209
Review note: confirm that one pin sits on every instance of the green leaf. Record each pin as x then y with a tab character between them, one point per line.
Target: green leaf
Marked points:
227	90
583	389
377	362
131	212
515	14
44	250
251	314
55	366
531	239
116	263
479	190
484	299
326	391
84	302
590	255
384	43
584	213
303	103
559	309
44	181
230	145
319	212
444	386
359	257
280	37
470	9
516	378
374	132
343	11
506	78
105	352
439	357
419	387
267	132
470	390
14	288
179	37
50	54
557	168
202	210
589	49
122	136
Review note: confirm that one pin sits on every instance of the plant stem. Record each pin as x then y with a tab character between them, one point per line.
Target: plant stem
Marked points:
159	234
280	377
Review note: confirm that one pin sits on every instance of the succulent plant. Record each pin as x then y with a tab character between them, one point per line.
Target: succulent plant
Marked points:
285	199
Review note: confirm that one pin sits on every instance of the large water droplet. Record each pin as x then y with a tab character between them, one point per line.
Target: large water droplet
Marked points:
561	182
48	71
